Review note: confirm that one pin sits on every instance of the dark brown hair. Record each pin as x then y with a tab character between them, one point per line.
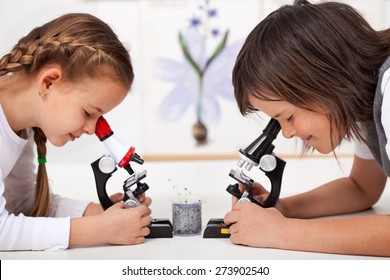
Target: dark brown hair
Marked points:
317	57
83	46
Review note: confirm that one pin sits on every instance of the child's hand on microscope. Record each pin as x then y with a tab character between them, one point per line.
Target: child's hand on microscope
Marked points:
144	200
126	226
116	225
96	208
253	225
261	194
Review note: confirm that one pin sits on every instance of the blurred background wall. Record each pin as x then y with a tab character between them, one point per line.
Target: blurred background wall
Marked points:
149	30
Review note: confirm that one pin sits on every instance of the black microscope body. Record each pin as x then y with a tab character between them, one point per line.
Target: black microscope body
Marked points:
258	153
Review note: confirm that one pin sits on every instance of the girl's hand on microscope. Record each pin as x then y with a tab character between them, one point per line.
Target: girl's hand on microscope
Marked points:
96	208
253	225
126	226
144	200
116	225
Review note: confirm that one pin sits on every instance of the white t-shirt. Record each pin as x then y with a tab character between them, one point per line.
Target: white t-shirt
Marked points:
17	189
361	149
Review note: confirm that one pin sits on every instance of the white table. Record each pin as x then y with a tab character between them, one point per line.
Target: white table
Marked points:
207	180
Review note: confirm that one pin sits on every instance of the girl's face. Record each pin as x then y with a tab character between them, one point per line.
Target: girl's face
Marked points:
312	127
72	109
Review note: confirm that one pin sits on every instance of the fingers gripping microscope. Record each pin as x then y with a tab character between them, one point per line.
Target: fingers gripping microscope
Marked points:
116	154
258	153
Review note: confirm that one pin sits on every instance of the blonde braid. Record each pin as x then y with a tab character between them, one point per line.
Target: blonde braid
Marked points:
42	192
25	55
14	62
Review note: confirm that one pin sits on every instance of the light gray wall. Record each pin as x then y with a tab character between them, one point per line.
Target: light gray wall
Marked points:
20	16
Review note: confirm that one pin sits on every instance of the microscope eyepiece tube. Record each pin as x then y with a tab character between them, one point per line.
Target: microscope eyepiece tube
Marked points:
263	144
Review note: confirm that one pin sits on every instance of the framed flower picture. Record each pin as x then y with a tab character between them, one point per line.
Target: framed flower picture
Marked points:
190	47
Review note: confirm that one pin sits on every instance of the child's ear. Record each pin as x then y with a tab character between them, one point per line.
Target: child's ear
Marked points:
49	76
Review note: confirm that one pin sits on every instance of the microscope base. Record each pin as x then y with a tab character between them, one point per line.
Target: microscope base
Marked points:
160	228
216	229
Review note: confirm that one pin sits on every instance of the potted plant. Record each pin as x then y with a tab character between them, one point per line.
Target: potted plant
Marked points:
186	212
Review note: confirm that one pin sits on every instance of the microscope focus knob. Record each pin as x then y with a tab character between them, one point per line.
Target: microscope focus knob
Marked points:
268	163
244	199
107	164
131	203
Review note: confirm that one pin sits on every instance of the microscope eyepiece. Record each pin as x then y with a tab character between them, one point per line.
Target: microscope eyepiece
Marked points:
103	130
263	144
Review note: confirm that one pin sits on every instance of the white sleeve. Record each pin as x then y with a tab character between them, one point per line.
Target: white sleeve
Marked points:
362	150
66	207
18	232
20	183
385	119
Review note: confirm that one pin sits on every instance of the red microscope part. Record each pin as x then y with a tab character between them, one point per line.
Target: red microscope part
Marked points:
104	133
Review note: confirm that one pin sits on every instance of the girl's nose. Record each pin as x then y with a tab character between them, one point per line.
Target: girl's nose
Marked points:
288	131
90	126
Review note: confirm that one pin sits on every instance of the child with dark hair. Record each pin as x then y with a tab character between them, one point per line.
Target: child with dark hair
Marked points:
323	73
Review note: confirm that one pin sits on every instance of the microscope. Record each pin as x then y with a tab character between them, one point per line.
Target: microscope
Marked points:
258	153
115	155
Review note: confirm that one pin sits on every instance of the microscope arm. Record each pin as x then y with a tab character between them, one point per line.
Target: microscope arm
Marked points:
101	181
275	176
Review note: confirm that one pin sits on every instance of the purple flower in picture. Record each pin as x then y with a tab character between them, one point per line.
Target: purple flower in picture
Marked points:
203	77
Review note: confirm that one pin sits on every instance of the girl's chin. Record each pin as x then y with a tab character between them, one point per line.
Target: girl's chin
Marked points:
58	142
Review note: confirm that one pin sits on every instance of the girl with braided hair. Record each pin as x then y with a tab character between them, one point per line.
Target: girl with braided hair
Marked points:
323	73
54	85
